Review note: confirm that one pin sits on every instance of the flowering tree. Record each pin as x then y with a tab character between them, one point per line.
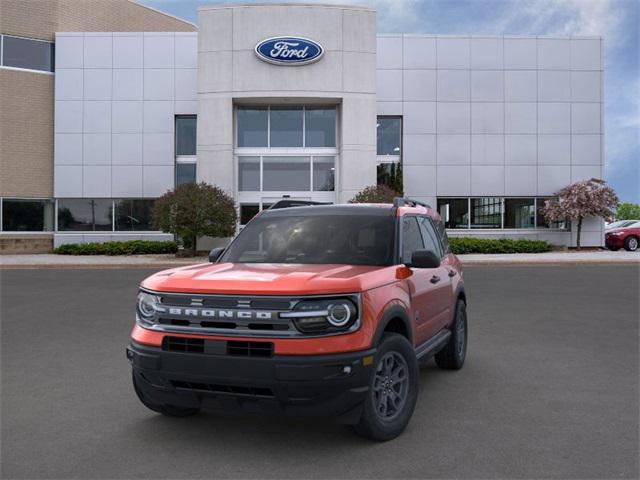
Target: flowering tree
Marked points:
194	210
586	198
375	194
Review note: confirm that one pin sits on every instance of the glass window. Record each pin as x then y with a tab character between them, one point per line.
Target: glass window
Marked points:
442	233
248	211
134	215
411	238
84	215
429	236
26	215
390	174
186	135
324	170
25	53
486	212
249	174
285	125
389	131
185	173
454	212
320	127
542	222
286	174
253	124
519	213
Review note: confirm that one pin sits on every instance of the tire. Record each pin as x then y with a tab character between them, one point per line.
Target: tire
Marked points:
168	410
631	243
385	415
452	356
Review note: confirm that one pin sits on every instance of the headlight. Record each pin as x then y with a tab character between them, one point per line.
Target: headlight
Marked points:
616	233
147	307
323	315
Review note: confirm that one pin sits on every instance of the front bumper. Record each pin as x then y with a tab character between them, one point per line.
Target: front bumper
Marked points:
318	385
615	241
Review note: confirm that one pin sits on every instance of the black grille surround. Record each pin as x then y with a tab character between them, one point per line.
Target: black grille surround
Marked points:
236	315
217	347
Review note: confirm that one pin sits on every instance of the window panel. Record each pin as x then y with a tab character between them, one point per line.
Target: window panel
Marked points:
429	236
252	126
519	213
486	212
286	174
442	233
186	135
249	174
285	125
543	222
85	215
320	127
185	173
390	174
248	211
324	174
26	215
389	132
411	238
26	53
134	215
454	212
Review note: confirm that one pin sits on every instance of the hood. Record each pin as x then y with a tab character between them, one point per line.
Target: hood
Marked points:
270	279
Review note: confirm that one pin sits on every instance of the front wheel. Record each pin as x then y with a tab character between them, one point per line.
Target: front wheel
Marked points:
631	244
452	356
393	390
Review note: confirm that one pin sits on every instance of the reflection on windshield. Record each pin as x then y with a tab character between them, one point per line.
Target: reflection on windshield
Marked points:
317	239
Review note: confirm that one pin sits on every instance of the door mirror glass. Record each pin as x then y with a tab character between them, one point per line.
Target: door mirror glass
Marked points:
215	253
424	259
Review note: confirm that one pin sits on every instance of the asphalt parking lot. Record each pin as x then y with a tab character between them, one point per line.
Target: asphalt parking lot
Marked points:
550	390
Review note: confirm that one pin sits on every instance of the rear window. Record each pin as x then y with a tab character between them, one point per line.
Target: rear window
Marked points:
317	239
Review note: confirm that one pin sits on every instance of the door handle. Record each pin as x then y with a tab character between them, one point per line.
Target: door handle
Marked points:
452	273
435	279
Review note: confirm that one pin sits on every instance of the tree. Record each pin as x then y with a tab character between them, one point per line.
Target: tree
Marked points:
628	211
375	194
586	198
194	210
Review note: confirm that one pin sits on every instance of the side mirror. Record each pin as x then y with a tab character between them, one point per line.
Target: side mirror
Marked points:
424	259
215	253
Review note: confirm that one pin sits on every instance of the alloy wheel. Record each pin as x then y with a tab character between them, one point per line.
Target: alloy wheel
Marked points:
391	385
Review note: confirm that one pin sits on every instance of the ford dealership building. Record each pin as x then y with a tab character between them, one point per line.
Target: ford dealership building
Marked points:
305	101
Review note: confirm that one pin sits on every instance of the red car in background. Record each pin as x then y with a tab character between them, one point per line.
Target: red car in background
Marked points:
626	237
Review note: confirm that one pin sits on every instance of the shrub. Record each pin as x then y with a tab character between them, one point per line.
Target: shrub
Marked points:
131	247
375	194
462	245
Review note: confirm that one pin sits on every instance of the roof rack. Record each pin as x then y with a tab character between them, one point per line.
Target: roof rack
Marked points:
408	202
287	203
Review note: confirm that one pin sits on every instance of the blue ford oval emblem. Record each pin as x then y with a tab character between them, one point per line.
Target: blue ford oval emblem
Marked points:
289	50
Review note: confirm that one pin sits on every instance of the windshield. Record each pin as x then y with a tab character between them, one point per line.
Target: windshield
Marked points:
621	224
318	239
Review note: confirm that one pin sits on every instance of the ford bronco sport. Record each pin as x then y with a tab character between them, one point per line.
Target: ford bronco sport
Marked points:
318	310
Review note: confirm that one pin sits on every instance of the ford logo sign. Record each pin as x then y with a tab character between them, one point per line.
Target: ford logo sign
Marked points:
289	51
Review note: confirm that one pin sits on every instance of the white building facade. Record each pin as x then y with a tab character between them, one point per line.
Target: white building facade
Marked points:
482	128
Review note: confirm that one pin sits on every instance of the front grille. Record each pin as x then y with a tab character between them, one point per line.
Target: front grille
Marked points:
217	347
250	349
223	389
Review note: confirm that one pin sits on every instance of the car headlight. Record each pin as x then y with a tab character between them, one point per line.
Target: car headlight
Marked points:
323	315
616	233
147	307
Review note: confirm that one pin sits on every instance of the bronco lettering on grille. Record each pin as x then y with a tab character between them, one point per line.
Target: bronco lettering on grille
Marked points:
216	313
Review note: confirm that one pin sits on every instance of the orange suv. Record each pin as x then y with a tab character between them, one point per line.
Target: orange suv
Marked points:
313	310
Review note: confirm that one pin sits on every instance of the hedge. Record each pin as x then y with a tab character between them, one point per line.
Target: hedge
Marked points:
131	247
461	245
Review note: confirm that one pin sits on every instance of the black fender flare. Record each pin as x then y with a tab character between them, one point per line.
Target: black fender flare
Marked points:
461	293
393	311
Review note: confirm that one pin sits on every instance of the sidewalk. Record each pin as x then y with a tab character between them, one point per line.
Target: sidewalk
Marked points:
168	261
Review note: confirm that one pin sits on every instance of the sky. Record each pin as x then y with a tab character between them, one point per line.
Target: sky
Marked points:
617	21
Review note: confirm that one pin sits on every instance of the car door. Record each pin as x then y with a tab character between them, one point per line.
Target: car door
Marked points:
422	283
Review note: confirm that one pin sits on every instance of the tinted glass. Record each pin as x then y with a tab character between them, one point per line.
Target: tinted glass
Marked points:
286	173
286	126
27	215
185	173
389	132
542	222
442	233
186	135
134	215
429	236
25	53
249	174
81	214
315	239
247	212
454	212
519	213
411	238
252	126
320	127
390	174
486	212
323	174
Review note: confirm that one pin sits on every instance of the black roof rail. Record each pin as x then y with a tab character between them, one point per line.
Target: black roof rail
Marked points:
287	203
409	202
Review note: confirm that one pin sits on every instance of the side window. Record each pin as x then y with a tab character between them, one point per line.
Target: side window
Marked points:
411	238
430	237
442	232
